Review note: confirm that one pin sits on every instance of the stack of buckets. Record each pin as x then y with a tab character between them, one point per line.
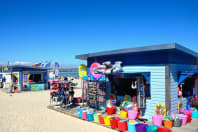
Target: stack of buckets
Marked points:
195	113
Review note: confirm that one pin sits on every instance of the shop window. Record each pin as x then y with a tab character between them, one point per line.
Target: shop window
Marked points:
35	78
128	86
187	87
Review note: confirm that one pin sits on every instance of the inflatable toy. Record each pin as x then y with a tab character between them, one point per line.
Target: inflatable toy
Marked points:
180	106
82	71
92	70
160	109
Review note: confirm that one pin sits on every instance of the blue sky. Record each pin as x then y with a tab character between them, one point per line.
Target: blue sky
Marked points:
40	30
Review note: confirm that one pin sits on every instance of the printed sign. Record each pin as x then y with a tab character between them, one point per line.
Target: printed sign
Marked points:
25	78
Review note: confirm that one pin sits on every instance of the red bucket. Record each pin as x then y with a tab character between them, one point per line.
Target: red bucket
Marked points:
114	122
122	125
110	110
163	130
188	118
101	119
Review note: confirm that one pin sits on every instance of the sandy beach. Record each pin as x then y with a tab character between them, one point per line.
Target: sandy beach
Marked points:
27	112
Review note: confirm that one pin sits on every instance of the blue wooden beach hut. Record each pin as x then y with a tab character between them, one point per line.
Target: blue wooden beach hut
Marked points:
168	65
28	78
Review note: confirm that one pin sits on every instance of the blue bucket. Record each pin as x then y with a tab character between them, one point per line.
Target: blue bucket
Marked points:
80	112
151	129
195	114
131	127
90	117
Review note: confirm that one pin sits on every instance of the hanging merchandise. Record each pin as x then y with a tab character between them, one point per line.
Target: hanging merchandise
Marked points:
82	71
141	101
134	85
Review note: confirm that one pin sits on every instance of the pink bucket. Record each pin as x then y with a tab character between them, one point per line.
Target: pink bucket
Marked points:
157	120
84	115
184	119
132	114
191	110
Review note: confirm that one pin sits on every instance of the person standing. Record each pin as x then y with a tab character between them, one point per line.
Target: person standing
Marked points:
4	82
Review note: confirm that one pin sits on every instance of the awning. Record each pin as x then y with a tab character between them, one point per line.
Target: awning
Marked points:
183	75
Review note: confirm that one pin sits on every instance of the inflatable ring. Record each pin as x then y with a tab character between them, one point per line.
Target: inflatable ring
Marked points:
92	67
162	107
82	71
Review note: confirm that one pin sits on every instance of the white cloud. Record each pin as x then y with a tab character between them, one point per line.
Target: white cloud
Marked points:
20	63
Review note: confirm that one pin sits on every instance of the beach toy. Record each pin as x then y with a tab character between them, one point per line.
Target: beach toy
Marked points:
90	116
96	117
160	109
141	127
94	66
184	119
177	120
157	120
151	128
168	123
80	112
101	118
114	122
188	116
107	120
84	115
163	130
195	114
122	125
180	106
111	110
82	71
131	126
123	114
127	98
132	114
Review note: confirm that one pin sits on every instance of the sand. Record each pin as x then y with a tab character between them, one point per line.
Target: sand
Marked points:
27	112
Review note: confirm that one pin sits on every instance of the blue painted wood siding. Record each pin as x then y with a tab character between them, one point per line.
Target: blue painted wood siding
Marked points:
157	86
174	69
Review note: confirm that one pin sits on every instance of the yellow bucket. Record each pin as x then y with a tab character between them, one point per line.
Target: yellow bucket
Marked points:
107	120
123	114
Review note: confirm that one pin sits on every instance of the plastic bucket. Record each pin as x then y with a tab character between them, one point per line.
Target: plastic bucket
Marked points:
122	125
84	115
107	120
132	114
141	127
195	114
168	124
110	110
188	117
80	112
151	128
163	130
101	119
96	117
131	126
123	114
114	122
177	122
157	120
90	117
184	119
